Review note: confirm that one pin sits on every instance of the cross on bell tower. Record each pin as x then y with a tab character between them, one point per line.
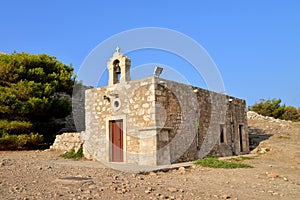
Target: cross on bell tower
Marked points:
118	68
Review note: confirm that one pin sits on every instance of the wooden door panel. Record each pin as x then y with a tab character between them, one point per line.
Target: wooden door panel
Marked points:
116	138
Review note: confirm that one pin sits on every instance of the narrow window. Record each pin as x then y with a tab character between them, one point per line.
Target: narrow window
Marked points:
241	133
222	134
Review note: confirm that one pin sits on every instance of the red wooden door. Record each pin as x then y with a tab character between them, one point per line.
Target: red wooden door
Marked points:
116	140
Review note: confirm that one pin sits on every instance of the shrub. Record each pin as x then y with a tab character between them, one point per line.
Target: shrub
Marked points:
271	108
284	137
8	140
22	141
71	154
34	95
241	158
213	162
14	127
291	113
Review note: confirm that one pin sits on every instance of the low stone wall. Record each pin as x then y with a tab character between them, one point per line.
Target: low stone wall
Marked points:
67	141
256	116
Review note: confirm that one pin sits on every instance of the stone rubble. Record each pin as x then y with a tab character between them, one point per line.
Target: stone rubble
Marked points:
5	162
67	141
256	116
268	126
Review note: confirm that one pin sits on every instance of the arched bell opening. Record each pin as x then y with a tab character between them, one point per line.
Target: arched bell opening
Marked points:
117	71
119	68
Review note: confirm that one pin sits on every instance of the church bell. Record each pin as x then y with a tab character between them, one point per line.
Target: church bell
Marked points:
118	69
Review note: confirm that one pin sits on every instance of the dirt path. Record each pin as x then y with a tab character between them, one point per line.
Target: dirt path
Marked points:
42	175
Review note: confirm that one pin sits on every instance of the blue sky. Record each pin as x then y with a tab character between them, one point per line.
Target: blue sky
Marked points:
254	44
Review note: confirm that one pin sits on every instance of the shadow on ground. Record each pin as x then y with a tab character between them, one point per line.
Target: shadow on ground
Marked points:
256	136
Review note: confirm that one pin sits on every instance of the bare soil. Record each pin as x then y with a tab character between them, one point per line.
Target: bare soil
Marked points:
276	174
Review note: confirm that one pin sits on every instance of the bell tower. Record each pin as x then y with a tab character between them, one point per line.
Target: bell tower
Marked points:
118	68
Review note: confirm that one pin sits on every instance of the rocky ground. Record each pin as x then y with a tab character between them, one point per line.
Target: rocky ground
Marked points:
276	174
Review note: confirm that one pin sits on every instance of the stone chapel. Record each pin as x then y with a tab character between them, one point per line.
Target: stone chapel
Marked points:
154	121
